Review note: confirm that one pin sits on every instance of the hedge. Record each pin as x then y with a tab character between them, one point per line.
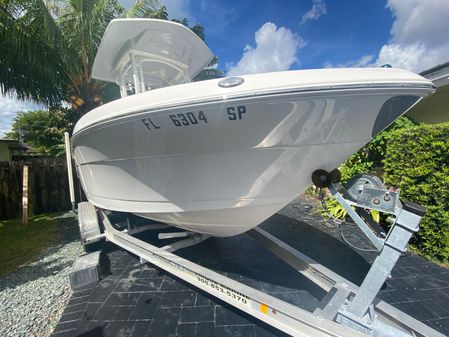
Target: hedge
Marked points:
417	161
370	157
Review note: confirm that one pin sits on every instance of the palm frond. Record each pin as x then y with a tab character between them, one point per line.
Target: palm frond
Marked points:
147	9
29	62
199	31
83	24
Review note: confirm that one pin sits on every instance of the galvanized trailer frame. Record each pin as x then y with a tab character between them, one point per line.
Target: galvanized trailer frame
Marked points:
333	317
269	309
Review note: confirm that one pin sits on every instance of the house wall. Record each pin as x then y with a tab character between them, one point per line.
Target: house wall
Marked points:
4	152
434	109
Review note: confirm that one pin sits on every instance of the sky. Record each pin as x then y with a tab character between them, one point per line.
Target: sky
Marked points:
255	36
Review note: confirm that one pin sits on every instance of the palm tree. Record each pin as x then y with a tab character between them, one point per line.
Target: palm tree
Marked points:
48	48
30	63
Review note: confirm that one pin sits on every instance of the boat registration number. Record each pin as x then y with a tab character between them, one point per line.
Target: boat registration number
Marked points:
233	113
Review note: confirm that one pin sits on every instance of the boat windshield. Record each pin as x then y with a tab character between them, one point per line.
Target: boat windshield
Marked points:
139	72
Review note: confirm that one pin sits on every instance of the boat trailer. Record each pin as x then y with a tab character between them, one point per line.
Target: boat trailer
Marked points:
346	309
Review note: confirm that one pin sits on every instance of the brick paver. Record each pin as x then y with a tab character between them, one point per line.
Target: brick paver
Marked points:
140	300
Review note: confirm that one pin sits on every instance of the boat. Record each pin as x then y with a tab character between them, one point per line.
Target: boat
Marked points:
220	156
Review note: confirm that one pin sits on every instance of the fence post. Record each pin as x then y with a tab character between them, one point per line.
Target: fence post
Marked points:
68	157
25	195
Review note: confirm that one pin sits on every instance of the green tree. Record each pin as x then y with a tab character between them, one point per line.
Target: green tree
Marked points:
47	53
29	61
48	48
43	129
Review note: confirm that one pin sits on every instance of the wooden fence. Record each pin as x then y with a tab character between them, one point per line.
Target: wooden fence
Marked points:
48	186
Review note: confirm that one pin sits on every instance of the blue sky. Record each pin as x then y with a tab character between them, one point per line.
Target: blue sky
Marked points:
250	36
332	34
270	35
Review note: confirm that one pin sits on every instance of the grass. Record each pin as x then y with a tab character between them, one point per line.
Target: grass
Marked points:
20	243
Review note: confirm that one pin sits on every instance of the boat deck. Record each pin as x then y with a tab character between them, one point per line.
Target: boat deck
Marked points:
140	300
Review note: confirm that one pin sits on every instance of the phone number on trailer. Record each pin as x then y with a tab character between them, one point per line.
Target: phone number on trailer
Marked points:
223	290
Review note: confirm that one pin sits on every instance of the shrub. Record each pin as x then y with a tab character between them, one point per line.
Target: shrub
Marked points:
377	147
371	155
417	161
356	164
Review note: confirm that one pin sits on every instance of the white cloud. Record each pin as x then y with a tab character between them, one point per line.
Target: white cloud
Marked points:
275	50
418	36
364	61
318	9
9	107
407	56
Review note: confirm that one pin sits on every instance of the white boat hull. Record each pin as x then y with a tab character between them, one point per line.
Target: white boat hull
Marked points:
223	166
